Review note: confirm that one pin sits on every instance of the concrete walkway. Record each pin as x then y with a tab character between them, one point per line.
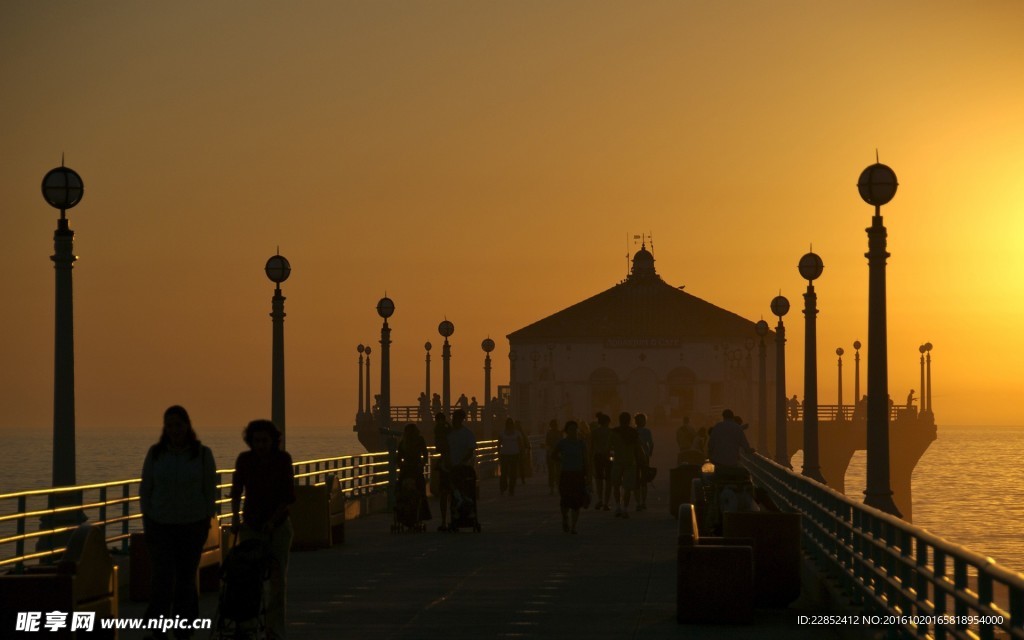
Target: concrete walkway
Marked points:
522	577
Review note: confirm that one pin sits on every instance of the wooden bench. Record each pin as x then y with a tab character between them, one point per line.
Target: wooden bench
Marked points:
140	568
714	576
84	580
776	537
318	515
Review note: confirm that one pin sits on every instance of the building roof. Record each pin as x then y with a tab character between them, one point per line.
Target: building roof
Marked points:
643	307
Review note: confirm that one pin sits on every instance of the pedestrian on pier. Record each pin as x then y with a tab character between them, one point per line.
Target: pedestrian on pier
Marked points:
574	477
474	410
509	450
625	446
178	499
551	439
435	404
794	408
444	465
646	450
264	475
600	438
525	454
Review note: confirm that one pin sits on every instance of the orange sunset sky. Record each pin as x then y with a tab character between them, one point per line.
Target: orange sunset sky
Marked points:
486	161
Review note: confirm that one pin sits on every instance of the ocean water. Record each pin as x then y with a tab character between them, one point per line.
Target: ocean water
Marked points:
967	486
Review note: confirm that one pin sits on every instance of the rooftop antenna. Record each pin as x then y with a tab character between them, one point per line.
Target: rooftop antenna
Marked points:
650	236
876	156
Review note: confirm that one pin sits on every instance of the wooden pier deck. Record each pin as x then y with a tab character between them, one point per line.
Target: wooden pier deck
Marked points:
522	577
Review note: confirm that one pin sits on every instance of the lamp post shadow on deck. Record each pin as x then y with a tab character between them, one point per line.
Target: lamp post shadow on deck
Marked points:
446	329
278	269
780	307
810	268
877	186
63	189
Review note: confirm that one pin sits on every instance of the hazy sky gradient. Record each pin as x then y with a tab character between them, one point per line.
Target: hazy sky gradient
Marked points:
485	162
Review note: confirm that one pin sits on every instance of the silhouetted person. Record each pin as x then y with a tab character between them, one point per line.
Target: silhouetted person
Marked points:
625	447
509	451
463	404
412	459
571	455
525	455
444	466
646	441
910	399
177	498
424	403
551	439
794	408
474	410
435	404
725	443
265	476
600	443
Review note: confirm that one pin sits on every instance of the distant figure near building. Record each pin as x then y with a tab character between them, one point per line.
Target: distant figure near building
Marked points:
644	472
684	440
509	451
525	454
600	442
625	454
177	498
551	440
570	453
264	475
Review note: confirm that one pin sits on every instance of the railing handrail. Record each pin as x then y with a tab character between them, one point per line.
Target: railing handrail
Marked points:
887	564
358	474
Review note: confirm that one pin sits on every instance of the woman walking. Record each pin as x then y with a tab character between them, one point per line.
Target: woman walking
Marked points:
177	498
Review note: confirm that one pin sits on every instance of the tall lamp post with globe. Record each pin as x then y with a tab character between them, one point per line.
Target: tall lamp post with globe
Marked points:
839	413
762	388
278	269
877	186
63	189
446	329
780	307
810	268
488	346
385	309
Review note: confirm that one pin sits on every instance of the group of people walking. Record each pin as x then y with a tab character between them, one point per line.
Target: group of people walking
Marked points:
178	501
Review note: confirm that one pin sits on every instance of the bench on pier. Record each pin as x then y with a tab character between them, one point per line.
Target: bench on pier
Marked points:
140	567
83	580
714	576
776	541
318	515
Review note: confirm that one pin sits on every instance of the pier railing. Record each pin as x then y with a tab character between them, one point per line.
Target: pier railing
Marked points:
911	579
32	522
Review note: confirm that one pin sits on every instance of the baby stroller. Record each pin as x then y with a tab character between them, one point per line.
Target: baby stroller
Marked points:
411	506
241	606
464	500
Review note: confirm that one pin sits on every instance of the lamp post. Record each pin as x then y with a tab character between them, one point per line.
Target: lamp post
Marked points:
446	329
856	374
762	388
278	269
369	406
63	189
877	186
810	268
359	415
385	308
780	307
426	390
928	360
488	346
924	407
839	413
